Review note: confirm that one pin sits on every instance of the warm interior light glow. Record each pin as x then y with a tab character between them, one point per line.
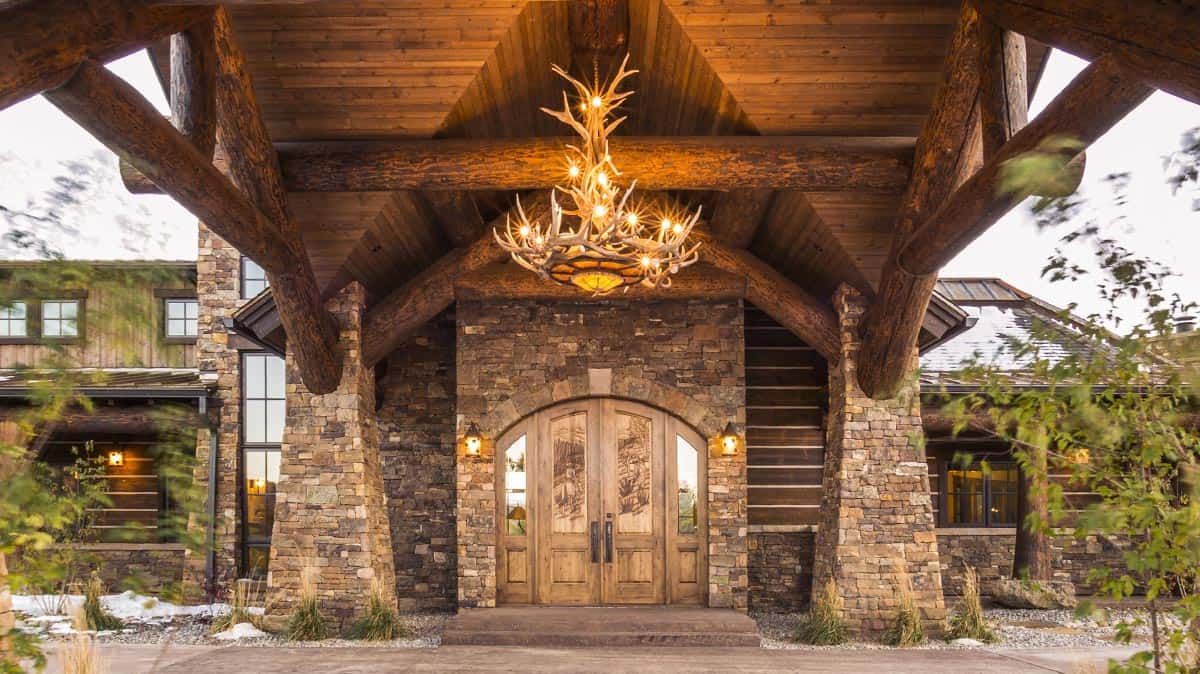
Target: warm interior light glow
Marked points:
666	223
602	178
116	458
676	228
599	211
646	261
729	440
597	281
539	240
573	171
524	231
631	218
597	102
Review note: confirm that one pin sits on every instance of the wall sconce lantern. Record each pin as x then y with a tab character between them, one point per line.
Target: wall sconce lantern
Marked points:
473	440
116	458
729	440
1081	455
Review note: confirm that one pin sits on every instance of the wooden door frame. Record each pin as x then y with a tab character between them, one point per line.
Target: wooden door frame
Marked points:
535	428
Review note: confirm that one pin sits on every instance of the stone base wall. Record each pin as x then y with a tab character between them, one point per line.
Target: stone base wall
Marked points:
990	551
876	530
153	568
416	429
330	509
781	566
516	357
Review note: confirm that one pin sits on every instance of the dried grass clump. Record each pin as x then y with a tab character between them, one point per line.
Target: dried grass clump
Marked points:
79	655
380	623
246	594
968	621
96	617
306	622
823	625
906	629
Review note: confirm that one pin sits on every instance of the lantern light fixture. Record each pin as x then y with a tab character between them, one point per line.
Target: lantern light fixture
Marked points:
474	442
729	440
116	458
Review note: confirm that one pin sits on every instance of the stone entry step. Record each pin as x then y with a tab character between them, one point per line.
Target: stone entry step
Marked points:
600	626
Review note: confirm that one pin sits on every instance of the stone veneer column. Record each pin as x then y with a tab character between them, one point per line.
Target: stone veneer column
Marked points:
728	548
331	511
876	523
476	527
218	294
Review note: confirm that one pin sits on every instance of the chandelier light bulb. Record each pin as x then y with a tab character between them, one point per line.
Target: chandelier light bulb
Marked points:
646	261
676	228
524	231
597	102
666	224
573	171
602	178
539	240
599	211
631	218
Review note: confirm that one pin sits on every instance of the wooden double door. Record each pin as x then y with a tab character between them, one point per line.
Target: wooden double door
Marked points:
601	502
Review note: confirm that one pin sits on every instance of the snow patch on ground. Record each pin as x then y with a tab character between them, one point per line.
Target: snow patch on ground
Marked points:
241	631
128	606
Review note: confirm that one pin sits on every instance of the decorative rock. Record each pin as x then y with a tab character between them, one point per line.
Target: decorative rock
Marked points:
1028	594
973	643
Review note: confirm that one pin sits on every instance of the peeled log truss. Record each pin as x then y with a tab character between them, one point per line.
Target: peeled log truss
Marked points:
377	142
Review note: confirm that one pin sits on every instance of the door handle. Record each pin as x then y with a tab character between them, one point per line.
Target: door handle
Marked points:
595	542
608	539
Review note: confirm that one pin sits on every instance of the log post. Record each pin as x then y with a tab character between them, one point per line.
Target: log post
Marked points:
893	321
312	331
1158	42
1089	106
117	115
1031	552
783	300
43	41
413	304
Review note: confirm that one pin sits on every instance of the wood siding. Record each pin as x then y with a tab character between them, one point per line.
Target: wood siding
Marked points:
786	402
106	341
134	489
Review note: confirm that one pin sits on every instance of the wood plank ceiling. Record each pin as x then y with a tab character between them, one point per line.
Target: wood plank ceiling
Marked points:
424	68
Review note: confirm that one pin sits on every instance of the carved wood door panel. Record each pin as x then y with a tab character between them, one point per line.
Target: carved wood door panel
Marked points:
600	502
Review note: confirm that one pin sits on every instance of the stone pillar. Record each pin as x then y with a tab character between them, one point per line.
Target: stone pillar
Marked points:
476	527
728	547
331	512
877	529
218	294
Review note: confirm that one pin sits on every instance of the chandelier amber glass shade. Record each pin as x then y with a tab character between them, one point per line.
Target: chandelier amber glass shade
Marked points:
600	240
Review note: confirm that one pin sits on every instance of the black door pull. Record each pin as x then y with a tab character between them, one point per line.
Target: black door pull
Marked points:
608	539
595	542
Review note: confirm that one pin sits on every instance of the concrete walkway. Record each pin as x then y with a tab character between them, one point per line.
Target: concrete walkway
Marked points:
242	660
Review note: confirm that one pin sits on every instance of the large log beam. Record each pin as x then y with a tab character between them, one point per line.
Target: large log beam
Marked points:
43	41
117	115
511	282
413	304
893	321
790	305
193	92
875	164
312	331
737	215
1159	42
1089	106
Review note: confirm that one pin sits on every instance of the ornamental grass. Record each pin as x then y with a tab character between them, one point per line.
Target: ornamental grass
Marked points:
906	629
246	594
823	624
95	616
380	623
306	622
968	622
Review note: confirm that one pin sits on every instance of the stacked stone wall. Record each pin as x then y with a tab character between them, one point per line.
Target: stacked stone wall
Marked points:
990	551
781	566
686	357
876	532
416	428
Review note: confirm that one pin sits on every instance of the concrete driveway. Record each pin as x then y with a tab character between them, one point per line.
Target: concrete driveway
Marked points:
242	660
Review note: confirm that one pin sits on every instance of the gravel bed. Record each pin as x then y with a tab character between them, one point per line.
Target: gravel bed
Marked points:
1014	628
426	630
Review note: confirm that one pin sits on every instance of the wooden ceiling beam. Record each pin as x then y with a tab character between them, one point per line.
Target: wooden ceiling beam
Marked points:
193	85
737	215
42	42
511	282
1099	97
413	304
312	331
790	305
892	323
117	115
457	214
1158	42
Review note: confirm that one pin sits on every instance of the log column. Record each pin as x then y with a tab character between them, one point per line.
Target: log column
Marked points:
876	528
330	510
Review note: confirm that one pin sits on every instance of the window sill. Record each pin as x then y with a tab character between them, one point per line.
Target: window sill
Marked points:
179	340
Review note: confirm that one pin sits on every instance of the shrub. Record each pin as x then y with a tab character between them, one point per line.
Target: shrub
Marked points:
246	594
906	629
823	625
96	617
380	622
306	622
967	621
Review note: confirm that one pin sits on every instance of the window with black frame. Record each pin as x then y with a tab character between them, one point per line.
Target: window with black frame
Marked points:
980	495
263	411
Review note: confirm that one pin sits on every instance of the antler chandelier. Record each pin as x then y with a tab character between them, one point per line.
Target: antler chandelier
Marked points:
606	242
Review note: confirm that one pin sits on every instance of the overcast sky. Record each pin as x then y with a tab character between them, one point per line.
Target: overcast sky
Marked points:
37	143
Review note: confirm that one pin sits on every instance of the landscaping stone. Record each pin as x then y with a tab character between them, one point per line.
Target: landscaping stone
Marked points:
1052	594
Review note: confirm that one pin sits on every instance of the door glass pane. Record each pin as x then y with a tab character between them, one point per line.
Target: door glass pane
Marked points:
689	481
515	508
568	434
633	474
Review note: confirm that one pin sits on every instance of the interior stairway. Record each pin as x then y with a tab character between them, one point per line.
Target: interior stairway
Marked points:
601	626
